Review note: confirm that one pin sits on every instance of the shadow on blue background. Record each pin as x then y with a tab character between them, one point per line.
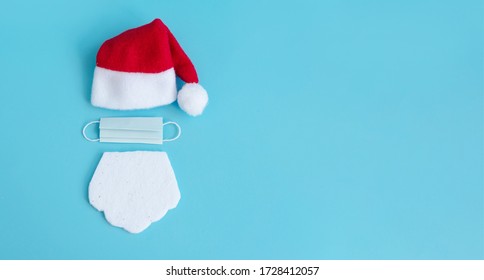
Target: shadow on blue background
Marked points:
335	130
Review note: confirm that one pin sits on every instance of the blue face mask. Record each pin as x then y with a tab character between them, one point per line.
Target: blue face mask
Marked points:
131	130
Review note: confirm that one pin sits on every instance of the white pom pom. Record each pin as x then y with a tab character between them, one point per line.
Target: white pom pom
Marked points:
192	98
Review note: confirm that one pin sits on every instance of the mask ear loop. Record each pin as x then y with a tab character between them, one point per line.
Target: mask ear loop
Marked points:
179	132
84	132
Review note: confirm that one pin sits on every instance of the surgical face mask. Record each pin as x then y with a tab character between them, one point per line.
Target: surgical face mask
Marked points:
145	130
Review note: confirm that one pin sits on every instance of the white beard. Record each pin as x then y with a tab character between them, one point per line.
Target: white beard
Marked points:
134	189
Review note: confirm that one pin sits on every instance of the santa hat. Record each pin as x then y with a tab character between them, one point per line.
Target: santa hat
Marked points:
137	70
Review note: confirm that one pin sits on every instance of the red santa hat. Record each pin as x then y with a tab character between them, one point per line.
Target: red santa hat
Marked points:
137	70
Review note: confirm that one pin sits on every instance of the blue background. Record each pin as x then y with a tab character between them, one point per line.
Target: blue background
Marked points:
335	130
